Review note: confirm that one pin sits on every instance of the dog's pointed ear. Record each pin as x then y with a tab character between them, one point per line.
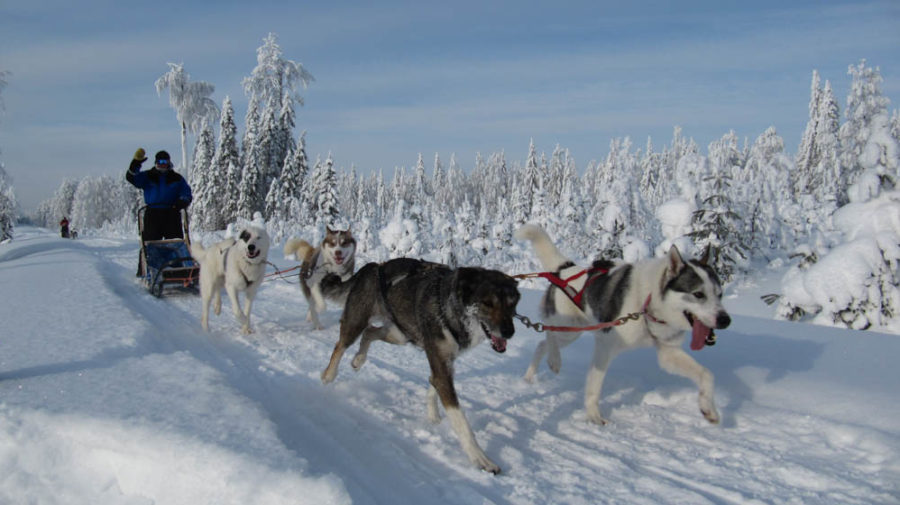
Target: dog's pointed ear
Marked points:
328	230
704	259
676	263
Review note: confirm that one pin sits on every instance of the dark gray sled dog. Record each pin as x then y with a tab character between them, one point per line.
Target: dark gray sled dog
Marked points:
442	311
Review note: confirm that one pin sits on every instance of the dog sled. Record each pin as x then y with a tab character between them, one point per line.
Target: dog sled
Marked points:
168	262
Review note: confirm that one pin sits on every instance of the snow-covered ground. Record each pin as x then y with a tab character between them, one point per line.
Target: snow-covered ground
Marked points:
111	396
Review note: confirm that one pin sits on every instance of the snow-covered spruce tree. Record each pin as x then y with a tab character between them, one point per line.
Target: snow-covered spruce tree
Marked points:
457	184
497	182
324	187
285	200
825	180
764	187
716	225
284	142
250	200
523	201
7	196
481	242
421	190
809	153
613	213
438	181
400	236
7	206
221	208
895	125
202	179
654	189
191	101
272	88
554	176
540	212
865	103
270	151
571	217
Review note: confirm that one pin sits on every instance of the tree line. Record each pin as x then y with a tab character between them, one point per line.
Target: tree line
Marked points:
746	200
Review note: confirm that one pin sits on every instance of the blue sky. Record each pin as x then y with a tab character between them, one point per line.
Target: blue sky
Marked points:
395	79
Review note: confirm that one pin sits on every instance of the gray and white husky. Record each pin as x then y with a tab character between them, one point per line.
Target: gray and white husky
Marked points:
440	310
336	254
672	294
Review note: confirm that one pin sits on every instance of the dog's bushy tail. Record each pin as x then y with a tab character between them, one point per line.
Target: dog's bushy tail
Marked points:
197	251
301	250
544	249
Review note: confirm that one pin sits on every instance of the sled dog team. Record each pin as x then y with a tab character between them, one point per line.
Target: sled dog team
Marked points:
445	311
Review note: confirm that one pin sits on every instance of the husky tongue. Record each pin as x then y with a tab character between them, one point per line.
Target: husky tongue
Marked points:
498	343
699	334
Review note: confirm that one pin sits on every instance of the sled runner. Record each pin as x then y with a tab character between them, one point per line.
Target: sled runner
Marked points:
168	262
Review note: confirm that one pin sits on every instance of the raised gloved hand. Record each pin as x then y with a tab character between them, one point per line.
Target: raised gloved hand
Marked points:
140	156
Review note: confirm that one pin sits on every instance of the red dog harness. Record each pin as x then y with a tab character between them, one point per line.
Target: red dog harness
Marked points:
576	295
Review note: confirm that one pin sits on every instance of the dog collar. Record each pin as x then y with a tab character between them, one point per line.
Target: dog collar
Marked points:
646	311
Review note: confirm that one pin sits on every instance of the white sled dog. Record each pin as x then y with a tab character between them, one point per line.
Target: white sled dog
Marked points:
237	265
673	296
336	254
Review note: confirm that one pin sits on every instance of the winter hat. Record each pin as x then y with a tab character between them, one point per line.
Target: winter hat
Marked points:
162	155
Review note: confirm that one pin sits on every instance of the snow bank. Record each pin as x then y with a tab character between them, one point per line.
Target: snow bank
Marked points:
856	283
78	458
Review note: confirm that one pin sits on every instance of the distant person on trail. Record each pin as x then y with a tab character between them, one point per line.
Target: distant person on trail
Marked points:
165	193
64	227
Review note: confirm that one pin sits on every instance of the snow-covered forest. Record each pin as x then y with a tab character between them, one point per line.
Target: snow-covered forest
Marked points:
7	194
751	201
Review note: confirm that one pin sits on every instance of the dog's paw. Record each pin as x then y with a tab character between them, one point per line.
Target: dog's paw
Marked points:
529	375
596	418
708	409
328	375
487	465
434	414
246	330
554	361
358	361
712	417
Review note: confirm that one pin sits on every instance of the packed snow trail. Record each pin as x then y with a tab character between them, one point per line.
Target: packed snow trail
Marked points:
109	395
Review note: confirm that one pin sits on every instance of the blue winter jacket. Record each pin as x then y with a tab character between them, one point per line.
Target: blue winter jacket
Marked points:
161	189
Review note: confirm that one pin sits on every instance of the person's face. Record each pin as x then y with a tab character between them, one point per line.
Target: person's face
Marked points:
163	165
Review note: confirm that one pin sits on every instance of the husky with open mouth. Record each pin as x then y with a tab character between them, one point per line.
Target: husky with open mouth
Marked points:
673	295
236	265
336	254
442	311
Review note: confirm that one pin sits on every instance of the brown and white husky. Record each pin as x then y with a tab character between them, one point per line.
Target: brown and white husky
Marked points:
336	254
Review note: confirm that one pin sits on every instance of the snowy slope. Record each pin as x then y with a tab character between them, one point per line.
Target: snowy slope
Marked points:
110	396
